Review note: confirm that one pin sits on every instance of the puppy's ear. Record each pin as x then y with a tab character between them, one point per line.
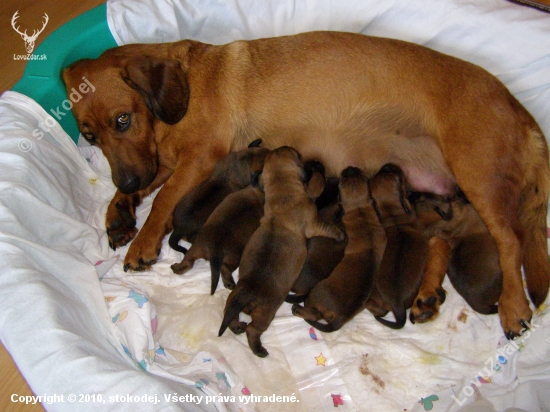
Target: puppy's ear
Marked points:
255	180
255	143
162	84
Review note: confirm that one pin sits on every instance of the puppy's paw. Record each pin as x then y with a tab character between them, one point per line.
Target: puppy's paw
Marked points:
296	309
426	306
261	352
120	220
238	328
182	267
515	316
230	284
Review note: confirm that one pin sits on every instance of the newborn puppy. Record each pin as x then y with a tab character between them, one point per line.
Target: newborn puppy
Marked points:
230	174
323	255
471	257
342	295
406	252
225	234
276	252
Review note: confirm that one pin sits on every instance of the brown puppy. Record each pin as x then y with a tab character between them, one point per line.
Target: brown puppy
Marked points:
462	245
228	229
406	253
231	174
166	113
342	295
323	255
225	234
273	257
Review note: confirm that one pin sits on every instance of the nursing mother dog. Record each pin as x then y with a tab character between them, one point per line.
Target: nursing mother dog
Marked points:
164	114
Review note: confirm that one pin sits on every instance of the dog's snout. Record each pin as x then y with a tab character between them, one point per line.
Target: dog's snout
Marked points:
129	184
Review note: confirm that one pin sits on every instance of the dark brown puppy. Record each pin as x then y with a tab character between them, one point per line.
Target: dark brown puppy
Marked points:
231	174
342	295
464	246
228	229
406	253
225	234
165	114
323	255
275	254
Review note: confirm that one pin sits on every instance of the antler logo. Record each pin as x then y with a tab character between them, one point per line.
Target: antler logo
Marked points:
29	40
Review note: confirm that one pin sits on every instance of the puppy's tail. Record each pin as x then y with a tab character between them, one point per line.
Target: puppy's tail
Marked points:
295	298
239	301
327	327
215	269
400	318
532	212
174	242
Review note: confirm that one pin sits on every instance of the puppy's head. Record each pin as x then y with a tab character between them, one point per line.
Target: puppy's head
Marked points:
431	208
283	165
237	168
316	178
117	99
354	189
389	189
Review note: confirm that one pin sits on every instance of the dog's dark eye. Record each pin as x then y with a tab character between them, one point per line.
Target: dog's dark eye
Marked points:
123	122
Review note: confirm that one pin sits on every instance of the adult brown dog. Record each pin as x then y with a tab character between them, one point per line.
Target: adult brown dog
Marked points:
166	113
338	298
275	254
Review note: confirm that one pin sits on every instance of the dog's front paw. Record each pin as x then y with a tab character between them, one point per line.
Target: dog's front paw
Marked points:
426	306
143	253
515	315
120	220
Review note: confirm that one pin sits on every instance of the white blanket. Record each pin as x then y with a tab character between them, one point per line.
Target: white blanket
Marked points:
75	323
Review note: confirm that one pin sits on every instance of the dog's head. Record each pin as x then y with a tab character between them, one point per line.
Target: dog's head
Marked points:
431	208
117	101
389	189
283	165
354	189
237	168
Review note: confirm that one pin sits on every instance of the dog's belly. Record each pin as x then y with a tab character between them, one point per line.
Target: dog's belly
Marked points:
419	157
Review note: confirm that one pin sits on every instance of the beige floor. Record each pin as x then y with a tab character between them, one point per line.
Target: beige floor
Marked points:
30	16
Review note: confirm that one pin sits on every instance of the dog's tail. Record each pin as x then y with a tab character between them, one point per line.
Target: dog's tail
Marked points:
327	327
239	301
400	318
174	241
532	212
215	269
295	298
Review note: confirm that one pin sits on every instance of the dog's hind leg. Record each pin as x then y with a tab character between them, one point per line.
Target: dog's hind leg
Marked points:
494	185
532	212
254	330
431	295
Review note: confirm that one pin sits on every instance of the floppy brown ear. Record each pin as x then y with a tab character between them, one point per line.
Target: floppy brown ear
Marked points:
162	84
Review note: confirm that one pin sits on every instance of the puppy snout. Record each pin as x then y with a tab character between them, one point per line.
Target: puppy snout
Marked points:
129	183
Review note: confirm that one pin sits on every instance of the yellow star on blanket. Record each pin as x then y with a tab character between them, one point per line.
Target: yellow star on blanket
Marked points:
320	359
